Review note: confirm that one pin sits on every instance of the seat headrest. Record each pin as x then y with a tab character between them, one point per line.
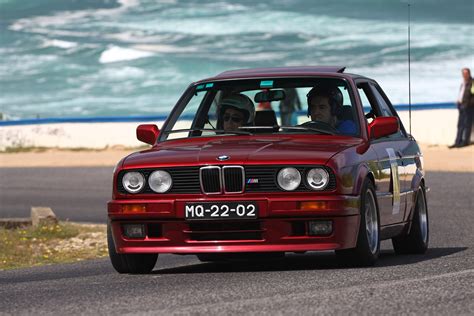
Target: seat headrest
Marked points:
346	113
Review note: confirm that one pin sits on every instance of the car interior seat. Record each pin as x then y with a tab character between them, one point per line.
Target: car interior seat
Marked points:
346	114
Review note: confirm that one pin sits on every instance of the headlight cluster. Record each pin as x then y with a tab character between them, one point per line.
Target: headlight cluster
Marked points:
159	181
289	179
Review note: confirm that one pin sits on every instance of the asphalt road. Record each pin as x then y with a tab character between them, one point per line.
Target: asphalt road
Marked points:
74	193
439	282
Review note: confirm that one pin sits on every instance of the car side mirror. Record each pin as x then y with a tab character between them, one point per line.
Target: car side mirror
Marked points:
148	133
383	126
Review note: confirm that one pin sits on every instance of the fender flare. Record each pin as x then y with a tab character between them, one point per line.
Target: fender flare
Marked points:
417	182
363	172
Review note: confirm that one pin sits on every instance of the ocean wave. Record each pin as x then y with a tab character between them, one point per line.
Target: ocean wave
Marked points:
67	17
59	43
101	56
165	48
116	54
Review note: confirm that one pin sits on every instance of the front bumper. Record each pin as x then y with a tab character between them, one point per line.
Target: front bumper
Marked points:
280	227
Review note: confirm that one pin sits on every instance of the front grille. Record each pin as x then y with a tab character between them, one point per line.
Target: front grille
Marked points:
233	179
298	228
210	179
215	179
154	230
211	231
267	178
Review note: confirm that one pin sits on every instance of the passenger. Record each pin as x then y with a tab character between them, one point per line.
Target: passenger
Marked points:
235	111
325	105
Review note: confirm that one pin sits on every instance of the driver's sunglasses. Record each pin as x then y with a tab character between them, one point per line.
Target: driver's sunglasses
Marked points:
235	119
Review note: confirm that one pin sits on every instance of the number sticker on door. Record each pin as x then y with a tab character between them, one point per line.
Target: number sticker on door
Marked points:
395	181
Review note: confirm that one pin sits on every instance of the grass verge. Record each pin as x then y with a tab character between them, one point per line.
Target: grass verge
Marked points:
61	243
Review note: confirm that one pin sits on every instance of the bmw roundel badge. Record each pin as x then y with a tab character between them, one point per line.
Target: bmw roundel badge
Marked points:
223	158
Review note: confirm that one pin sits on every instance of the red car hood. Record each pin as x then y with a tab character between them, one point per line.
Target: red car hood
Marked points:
255	150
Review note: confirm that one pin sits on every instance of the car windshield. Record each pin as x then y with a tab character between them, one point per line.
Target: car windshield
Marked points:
316	106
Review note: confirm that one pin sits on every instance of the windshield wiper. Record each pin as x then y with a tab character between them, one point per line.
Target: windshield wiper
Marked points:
217	131
304	128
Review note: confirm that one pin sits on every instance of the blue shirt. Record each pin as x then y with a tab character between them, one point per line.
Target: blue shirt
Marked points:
347	127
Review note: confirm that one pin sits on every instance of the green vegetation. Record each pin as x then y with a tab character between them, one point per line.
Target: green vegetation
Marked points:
61	243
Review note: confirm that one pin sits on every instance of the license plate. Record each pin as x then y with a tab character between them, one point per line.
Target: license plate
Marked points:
227	210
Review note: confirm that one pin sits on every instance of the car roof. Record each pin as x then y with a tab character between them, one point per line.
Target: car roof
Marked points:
297	71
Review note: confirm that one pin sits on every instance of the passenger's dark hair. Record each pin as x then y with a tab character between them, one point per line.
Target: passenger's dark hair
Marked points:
333	94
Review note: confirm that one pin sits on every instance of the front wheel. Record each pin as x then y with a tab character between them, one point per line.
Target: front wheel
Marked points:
367	248
416	241
129	263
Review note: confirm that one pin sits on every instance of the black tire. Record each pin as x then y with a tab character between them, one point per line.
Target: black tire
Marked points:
141	263
417	240
367	248
129	263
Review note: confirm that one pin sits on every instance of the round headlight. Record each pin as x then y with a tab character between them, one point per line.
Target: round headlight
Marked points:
133	182
289	179
160	181
317	178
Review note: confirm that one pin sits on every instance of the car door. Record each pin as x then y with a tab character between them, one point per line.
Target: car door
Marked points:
407	150
390	175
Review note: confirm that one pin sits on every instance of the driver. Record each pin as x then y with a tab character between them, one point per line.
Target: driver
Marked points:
235	111
325	105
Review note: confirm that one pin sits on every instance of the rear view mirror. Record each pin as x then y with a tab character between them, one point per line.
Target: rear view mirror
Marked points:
269	96
148	133
383	126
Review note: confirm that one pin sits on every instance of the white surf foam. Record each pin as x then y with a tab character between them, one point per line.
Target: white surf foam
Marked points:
116	54
60	44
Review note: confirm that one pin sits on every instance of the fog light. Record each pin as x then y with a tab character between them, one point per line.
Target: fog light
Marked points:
134	230
320	228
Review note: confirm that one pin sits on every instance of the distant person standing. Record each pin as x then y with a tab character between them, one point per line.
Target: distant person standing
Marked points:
465	103
288	106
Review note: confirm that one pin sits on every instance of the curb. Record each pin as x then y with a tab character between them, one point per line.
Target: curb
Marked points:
40	216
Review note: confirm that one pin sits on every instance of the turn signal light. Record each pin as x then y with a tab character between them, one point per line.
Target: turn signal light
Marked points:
313	206
134	208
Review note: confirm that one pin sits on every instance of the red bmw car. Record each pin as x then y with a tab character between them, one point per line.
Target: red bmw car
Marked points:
268	161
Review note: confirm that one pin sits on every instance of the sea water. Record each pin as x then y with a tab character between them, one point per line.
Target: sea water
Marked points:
63	58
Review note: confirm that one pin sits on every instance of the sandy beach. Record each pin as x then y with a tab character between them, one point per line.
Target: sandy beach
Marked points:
436	158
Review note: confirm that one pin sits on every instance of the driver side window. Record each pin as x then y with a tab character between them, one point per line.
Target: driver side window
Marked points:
374	105
368	102
386	109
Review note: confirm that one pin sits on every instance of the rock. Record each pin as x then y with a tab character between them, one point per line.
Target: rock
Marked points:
10	223
42	216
